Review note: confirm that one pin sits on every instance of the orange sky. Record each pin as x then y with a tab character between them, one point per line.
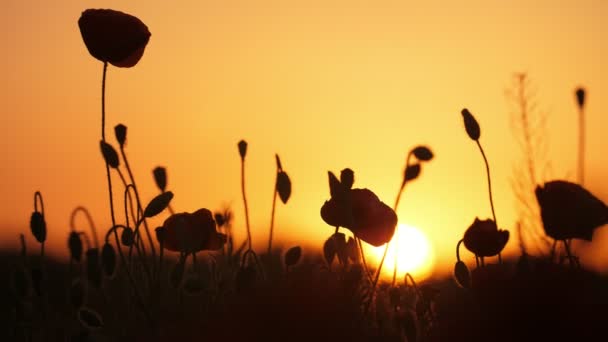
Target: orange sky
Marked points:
326	84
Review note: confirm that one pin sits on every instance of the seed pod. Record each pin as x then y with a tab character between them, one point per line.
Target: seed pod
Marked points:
580	97
75	246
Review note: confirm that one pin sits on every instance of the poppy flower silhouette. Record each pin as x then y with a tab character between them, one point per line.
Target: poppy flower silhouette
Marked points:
189	233
484	239
360	211
570	211
114	37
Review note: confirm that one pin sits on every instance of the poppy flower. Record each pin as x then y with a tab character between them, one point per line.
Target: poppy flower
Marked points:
114	37
484	239
362	212
570	211
186	232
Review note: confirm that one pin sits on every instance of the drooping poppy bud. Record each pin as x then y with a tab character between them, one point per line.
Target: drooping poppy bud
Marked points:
38	226
108	259
462	275
127	237
471	125
423	153
114	37
347	178
75	246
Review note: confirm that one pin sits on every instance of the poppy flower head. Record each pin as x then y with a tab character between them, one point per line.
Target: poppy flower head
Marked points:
484	239
362	212
185	232
114	37
570	211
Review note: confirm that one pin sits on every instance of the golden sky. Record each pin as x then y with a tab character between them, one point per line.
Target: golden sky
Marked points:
325	84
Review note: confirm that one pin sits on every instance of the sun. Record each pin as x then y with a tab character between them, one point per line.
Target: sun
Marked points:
414	254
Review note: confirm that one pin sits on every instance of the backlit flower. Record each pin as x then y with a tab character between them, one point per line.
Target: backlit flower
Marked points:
185	232
570	211
362	212
114	37
484	239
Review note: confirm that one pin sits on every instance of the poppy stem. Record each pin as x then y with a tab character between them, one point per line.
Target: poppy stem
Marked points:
396	235
369	277
87	214
245	203
139	208
581	145
485	159
274	202
103	138
375	283
458	249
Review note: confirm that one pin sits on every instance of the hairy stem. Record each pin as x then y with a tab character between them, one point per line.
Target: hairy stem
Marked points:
245	203
274	203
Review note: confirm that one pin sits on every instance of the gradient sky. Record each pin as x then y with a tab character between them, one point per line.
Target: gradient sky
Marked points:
325	84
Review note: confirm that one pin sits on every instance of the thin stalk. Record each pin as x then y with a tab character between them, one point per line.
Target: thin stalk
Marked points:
485	159
103	138
396	236
369	277
139	208
274	204
245	203
581	146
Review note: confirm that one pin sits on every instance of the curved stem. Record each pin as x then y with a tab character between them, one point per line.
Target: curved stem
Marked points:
489	180
368	275
87	214
245	203
581	146
128	199
458	249
139	207
485	159
274	203
38	198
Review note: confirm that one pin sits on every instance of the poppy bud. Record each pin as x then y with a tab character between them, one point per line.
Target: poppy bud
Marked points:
75	246
120	131
158	204
160	231
109	154
160	178
127	236
471	125
38	226
411	172
580	97
293	256
242	148
423	153
329	250
283	186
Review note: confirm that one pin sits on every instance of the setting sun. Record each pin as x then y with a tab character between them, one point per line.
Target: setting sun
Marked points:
414	254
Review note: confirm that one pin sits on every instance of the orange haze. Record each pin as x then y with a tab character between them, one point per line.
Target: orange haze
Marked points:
325	84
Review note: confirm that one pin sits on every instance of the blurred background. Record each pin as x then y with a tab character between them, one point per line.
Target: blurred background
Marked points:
326	85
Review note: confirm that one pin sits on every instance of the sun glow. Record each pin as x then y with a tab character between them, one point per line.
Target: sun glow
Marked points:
414	254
